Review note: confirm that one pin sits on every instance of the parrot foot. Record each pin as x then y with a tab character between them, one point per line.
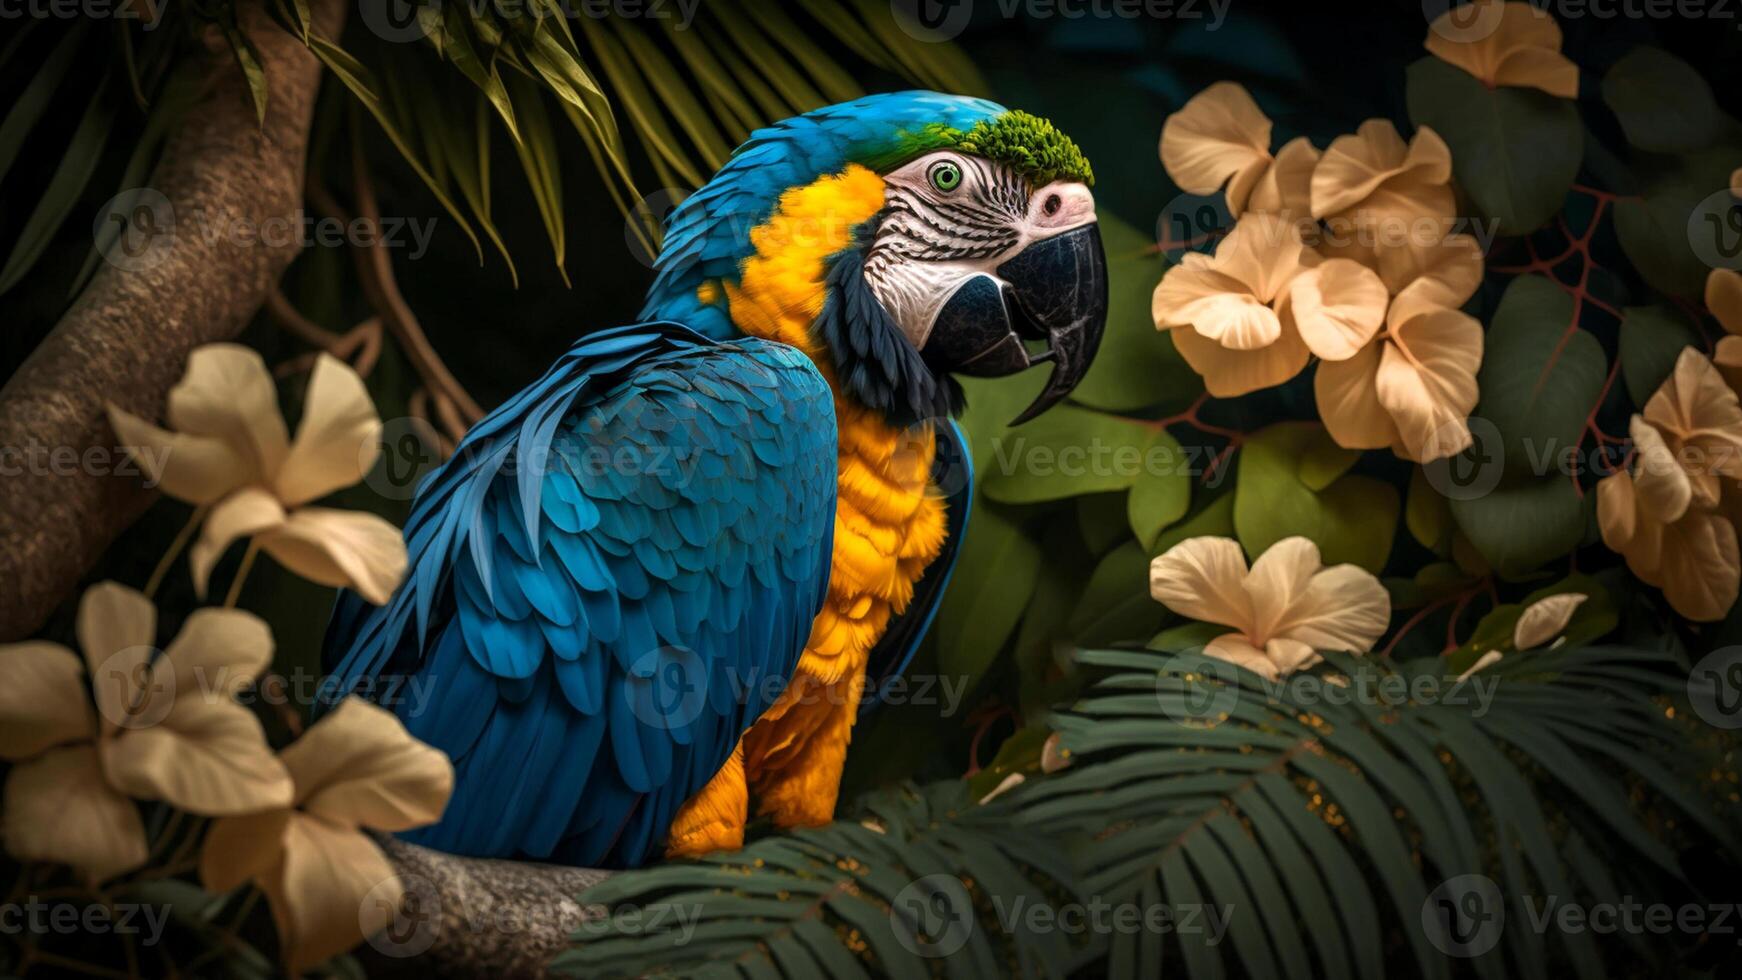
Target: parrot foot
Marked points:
713	820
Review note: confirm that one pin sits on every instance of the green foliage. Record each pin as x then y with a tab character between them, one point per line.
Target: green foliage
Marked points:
1515	150
1325	820
1652	337
1663	104
1286	487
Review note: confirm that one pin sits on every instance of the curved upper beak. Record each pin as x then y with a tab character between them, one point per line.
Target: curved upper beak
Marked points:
1055	290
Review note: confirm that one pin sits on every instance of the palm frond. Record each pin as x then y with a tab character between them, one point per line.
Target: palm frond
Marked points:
1322	815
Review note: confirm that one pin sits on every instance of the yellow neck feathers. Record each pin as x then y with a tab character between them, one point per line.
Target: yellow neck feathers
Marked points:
888	527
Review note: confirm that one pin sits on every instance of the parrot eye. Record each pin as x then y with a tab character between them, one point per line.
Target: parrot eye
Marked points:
945	176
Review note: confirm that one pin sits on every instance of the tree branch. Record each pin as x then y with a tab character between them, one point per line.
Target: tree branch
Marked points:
476	918
229	179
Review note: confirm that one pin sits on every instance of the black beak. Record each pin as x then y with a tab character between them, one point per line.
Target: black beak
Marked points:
1054	290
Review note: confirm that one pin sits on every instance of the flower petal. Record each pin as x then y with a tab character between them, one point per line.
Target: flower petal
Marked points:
195	469
116	627
1701	568
218	652
1698	414
1338	307
1290	655
42	703
1228	373
1201	578
1379	186
1661	487
247	511
1544	619
1338	608
333	889
239	848
58	808
1450	266
359	766
1348	400
1505	44
1285	187
1218	134
1263	251
339	437
1237	649
208	756
1724	298
228	393
352	549
1427	381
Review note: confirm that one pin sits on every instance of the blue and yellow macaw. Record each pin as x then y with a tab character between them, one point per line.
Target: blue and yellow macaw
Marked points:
667	576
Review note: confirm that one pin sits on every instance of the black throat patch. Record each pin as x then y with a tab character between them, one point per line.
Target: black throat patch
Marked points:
873	359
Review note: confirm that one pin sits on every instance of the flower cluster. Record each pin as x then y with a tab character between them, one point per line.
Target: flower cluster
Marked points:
1345	255
1673	510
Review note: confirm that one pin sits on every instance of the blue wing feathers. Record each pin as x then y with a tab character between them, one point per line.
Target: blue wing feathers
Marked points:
657	501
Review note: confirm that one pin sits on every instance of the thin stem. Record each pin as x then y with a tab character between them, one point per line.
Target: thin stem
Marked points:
176	547
241	574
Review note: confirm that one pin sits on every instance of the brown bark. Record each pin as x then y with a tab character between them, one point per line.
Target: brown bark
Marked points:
128	335
476	918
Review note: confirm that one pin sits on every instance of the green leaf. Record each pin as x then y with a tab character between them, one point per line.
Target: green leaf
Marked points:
1540	377
355	77
1652	337
1663	104
64	189
543	165
1351	520
1520	527
1426	513
29	105
1683	225
1515	150
248	60
1115	604
1101	519
1137	366
1327	461
1071	451
1160	498
1212	518
994	577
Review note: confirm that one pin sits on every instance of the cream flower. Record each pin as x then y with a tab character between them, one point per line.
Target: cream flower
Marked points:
1412	389
1724	300
1540	622
164	728
1666	514
1505	44
1220	136
1250	316
1283	611
328	884
227	447
1373	189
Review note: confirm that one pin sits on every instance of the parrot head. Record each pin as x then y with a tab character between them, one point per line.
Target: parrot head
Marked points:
911	237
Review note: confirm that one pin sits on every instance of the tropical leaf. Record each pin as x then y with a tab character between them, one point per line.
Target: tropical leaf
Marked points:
1308	828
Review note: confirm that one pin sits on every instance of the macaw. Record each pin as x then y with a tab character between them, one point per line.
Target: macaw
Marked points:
666	577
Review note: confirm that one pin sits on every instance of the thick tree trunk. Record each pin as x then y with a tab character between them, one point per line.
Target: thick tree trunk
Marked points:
126	339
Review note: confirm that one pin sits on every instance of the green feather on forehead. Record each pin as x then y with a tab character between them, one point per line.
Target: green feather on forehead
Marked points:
1024	142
